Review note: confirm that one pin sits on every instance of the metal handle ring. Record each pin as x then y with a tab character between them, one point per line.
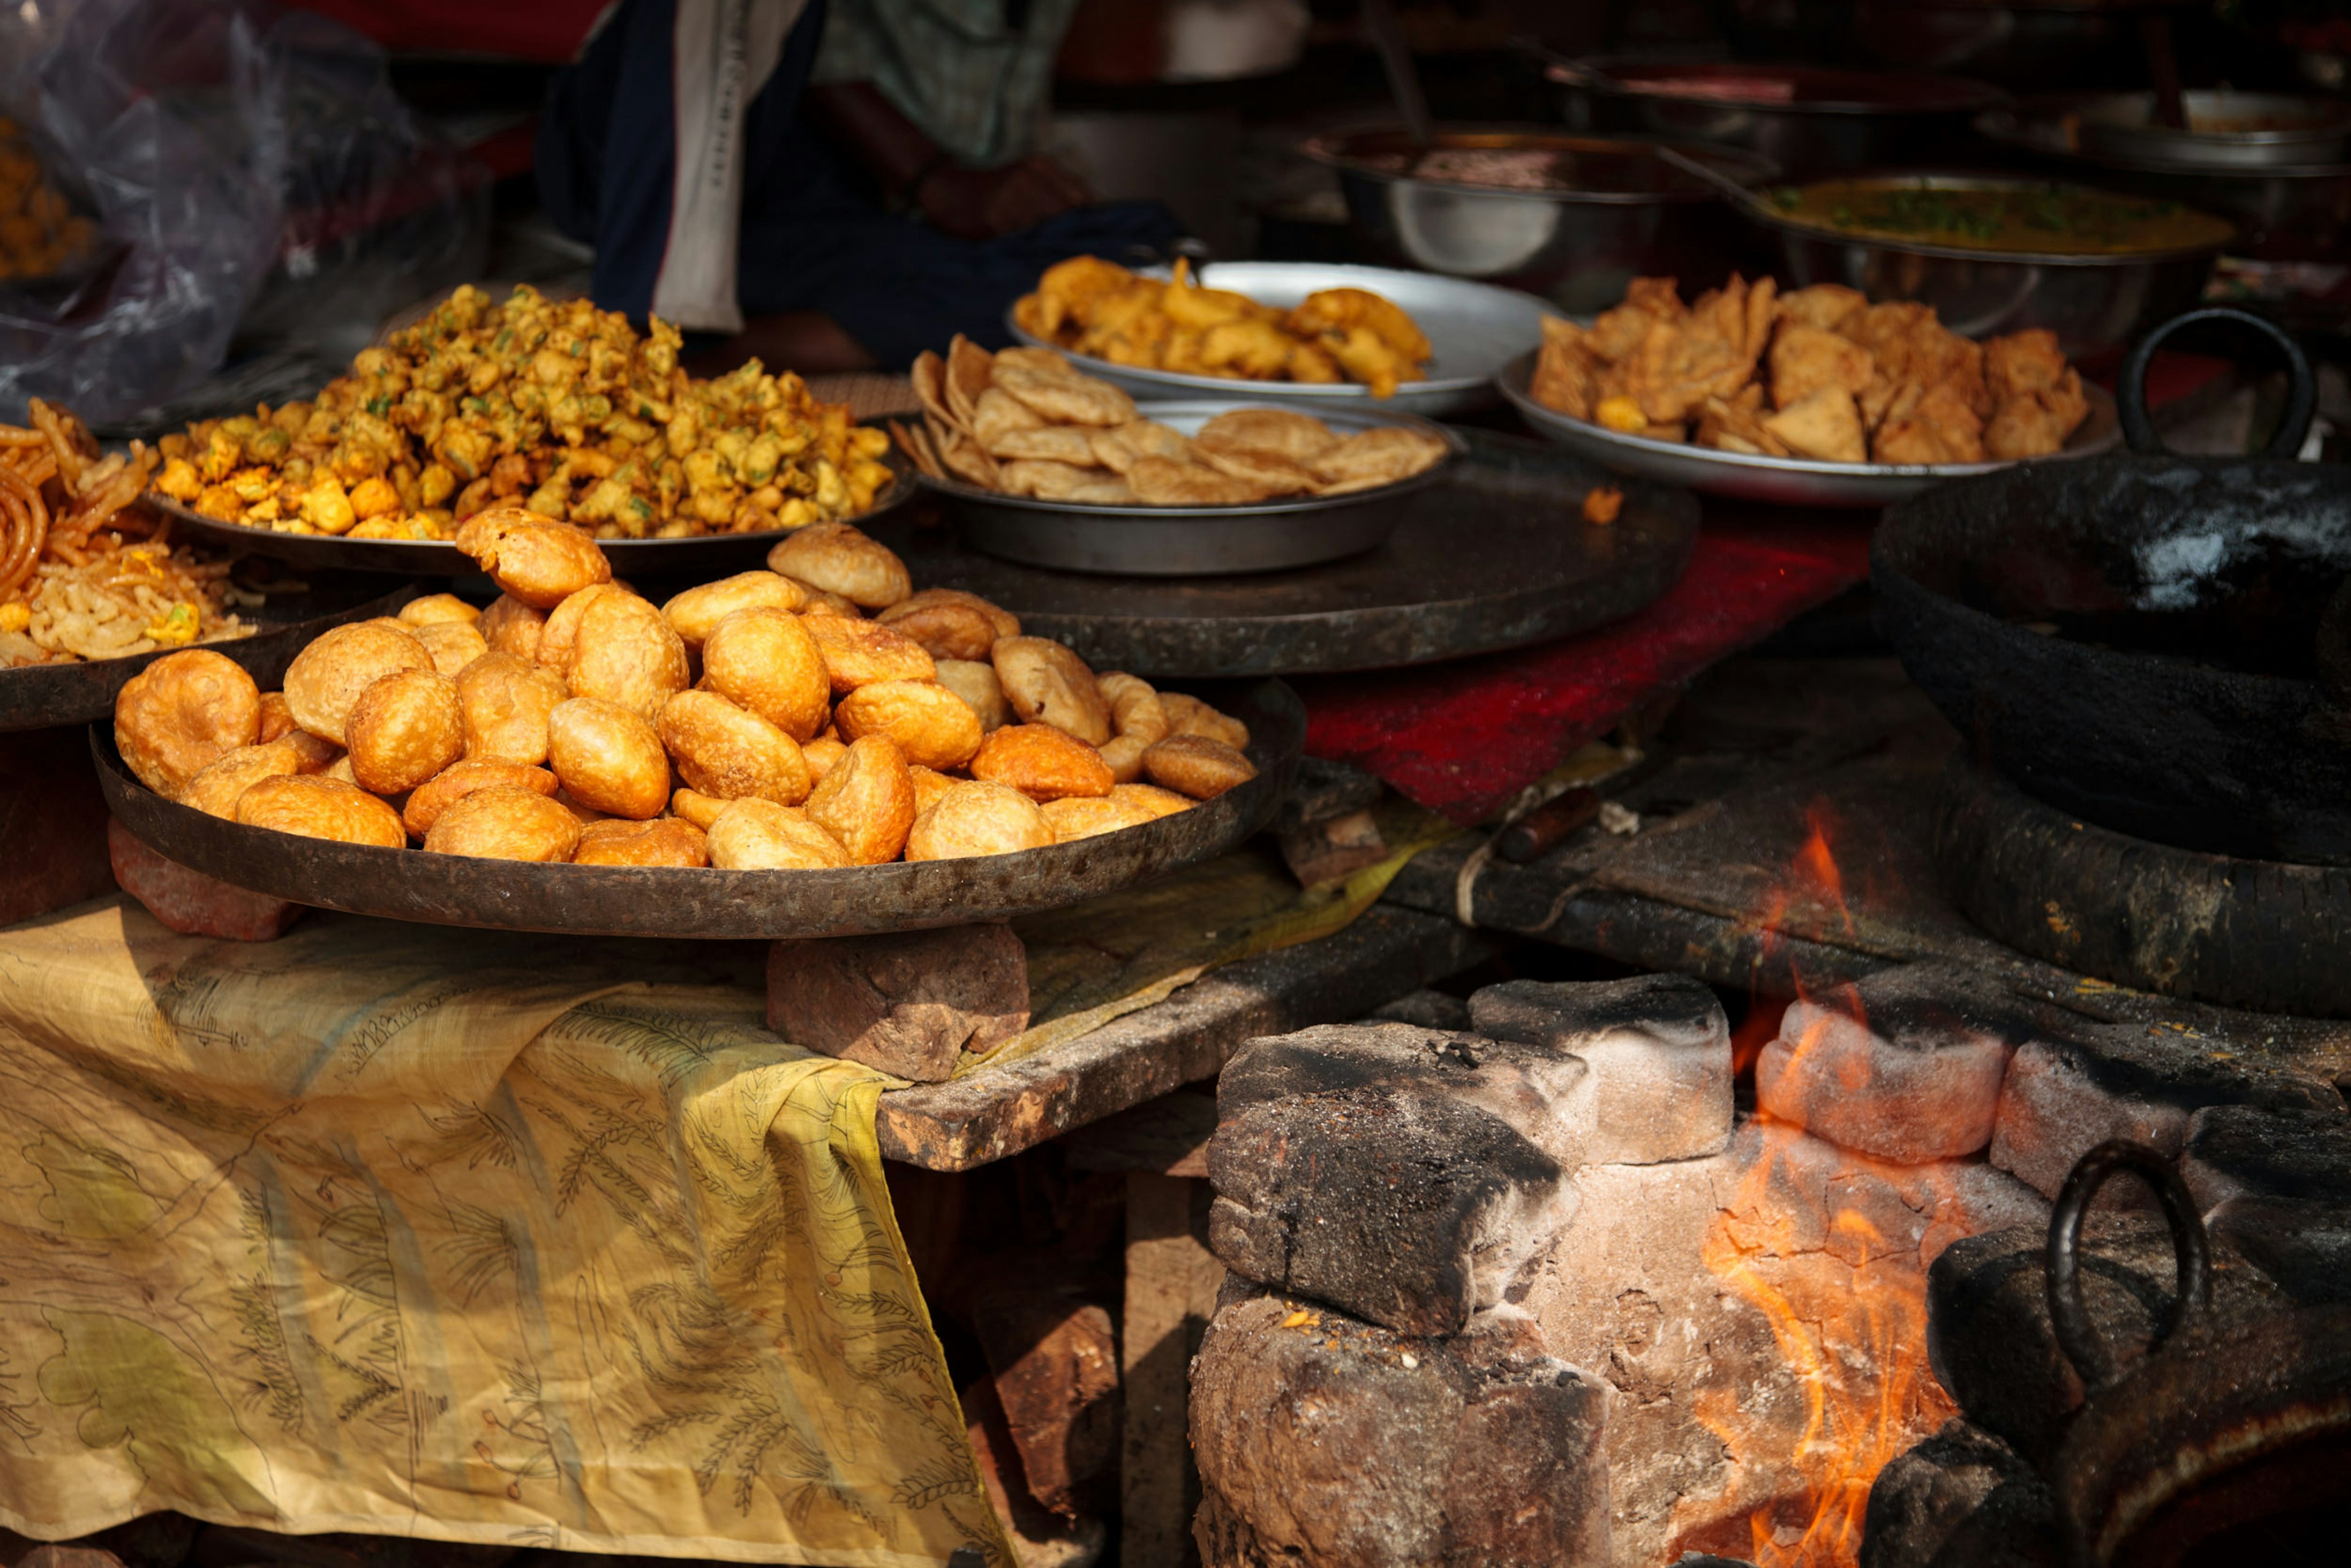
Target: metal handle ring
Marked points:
2069	1315
2302	384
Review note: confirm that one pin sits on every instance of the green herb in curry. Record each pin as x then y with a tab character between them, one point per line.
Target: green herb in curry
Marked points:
2016	219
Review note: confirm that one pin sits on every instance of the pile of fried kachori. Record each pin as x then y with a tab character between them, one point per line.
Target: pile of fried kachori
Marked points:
1025	422
819	714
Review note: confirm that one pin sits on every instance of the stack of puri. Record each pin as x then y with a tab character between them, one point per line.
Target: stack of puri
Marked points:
1025	422
818	714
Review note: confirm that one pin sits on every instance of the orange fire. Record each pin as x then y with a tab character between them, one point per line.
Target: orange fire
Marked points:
1846	1306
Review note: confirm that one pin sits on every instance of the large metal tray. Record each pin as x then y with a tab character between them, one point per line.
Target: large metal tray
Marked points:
1497	555
1474	328
1192	541
1784	481
40	695
704	553
673	902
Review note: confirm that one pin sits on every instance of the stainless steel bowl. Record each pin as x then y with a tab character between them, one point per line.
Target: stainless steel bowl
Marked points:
1198	542
1627	213
2096	304
2301	130
1807	119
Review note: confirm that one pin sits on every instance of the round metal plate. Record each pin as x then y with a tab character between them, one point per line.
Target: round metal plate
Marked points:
712	553
674	902
40	695
1785	481
1192	541
1474	329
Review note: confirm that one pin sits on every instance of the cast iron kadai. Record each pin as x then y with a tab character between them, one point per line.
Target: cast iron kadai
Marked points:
39	696
675	902
2135	639
2221	1437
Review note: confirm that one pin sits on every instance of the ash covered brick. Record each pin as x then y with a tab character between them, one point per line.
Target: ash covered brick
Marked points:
2064	1096
189	901
2248	1151
1659	1050
1405	1205
2304	1246
1906	1065
1324	1440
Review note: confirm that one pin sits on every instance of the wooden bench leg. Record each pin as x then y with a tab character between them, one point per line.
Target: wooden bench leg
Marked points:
1172	1280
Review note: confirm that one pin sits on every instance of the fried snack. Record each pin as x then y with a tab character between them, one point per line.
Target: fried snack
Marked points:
1282	432
1188	715
978	684
182	713
510	626
318	806
608	757
770	662
1196	766
950	623
823	603
821	753
1066	399
435	607
1269	472
339	770
1151	798
929	724
997	415
842	559
585	815
1158	482
929	785
627	654
1381	455
1046	684
277	718
403	729
222	782
727	752
1050	480
1118	449
534	558
866	799
665	840
327	677
561	635
1042	762
502	822
459	779
1138	719
1077	817
454	644
1070	443
978	818
861	653
760	835
505	702
691	806
693	613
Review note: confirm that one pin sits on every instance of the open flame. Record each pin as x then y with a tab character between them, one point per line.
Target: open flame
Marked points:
1845	1305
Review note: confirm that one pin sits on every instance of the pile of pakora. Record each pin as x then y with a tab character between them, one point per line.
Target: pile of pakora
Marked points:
555	406
1819	372
1024	422
763	722
81	578
39	232
1098	307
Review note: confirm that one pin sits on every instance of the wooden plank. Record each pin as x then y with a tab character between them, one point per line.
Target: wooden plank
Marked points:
971	1121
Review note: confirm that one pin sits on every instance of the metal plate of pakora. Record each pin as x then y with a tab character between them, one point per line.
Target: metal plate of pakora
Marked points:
1782	481
677	902
1474	329
1192	541
35	697
706	553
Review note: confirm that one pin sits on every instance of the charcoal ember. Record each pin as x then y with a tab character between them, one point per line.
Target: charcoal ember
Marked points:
1428	1009
189	901
1961	1498
1054	1360
909	1003
2304	1246
1659	1050
1322	1440
2246	1151
1407	1207
1906	1065
1988	1333
2062	1097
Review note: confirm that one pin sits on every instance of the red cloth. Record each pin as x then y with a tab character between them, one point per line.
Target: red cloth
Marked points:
1464	736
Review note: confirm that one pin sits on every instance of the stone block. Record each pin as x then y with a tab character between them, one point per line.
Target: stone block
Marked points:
2244	1151
188	901
1427	1008
2304	1246
1407	1207
1960	1499
1054	1360
2064	1096
1326	1441
909	1003
1906	1065
1659	1050
1039	1539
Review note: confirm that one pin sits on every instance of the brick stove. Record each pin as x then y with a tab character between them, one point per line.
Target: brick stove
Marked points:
1569	1281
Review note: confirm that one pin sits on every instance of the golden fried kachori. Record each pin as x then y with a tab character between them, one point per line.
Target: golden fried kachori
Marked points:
505	701
978	685
860	653
318	806
866	799
727	752
459	779
535	559
403	729
327	677
1046	684
438	609
978	818
1042	762
665	840
626	654
694	612
182	713
767	660
222	782
950	623
505	822
760	835
842	558
1196	766
608	757
930	725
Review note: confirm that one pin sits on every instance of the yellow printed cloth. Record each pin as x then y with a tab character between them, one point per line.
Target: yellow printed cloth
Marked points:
410	1230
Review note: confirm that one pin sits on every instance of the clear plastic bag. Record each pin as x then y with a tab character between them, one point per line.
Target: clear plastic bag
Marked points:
244	165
